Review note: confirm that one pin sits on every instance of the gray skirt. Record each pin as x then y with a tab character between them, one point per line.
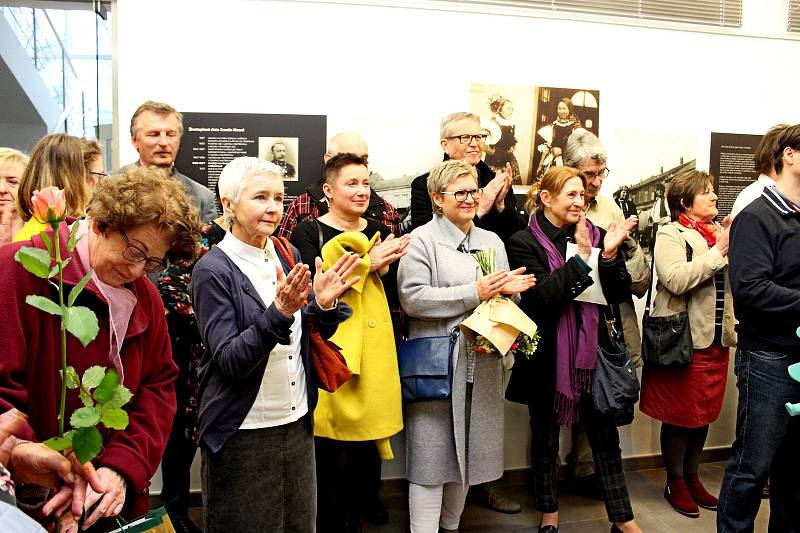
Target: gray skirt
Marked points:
261	480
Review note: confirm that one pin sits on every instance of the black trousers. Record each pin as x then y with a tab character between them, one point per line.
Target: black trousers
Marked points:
176	467
604	440
348	479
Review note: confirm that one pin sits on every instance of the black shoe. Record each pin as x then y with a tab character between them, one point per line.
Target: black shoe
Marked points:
182	524
375	513
548	529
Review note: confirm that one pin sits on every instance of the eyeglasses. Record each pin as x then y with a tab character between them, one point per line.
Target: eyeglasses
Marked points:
461	196
134	254
594	175
101	174
467	139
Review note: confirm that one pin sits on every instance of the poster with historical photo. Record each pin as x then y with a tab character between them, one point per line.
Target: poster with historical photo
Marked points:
282	152
507	113
294	142
557	113
641	162
731	164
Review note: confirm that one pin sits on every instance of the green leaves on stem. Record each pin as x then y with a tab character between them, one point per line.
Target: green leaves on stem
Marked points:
35	260
103	396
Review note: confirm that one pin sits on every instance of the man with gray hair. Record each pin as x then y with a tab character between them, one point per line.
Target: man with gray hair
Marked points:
313	203
461	137
585	153
156	130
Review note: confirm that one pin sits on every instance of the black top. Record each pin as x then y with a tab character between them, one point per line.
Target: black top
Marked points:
504	224
546	300
306	238
764	272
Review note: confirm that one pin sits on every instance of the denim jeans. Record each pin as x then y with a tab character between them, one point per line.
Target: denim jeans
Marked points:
767	445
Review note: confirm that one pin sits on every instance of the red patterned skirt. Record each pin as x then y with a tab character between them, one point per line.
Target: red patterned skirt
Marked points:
688	397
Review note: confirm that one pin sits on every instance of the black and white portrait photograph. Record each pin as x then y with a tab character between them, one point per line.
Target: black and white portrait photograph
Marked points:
558	113
283	152
506	113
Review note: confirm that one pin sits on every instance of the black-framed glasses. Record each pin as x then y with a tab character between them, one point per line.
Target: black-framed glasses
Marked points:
134	254
98	174
467	139
594	175
461	196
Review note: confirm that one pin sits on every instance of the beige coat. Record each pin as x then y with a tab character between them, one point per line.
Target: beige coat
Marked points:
678	278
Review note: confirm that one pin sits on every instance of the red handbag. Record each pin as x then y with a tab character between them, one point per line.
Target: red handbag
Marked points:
329	365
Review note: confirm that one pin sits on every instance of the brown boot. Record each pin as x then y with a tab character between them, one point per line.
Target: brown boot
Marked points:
677	494
700	495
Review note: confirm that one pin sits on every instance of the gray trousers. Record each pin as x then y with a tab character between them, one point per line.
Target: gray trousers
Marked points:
261	480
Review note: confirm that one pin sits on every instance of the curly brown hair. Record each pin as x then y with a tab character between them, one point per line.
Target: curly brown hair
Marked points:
143	195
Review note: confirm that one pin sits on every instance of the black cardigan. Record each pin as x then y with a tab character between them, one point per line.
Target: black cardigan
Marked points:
546	300
239	332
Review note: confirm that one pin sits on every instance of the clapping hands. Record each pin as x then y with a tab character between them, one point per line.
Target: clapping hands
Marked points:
385	252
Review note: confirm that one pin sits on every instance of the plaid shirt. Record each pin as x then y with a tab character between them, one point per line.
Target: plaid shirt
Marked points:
305	207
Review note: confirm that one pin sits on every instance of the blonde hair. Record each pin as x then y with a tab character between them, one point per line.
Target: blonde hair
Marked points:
9	155
552	181
56	161
446	173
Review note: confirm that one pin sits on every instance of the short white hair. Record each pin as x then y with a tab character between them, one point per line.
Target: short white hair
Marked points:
236	174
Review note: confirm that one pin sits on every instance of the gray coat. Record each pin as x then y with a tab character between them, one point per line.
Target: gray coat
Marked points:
436	284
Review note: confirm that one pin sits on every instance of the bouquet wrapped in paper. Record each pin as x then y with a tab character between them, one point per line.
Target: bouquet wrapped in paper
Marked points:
498	326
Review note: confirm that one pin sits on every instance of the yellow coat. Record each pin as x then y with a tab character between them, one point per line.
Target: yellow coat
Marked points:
32	227
369	405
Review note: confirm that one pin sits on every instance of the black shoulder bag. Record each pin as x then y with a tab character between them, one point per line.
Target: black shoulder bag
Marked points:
666	340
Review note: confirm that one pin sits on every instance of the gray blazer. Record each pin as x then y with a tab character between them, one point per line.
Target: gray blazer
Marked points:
436	284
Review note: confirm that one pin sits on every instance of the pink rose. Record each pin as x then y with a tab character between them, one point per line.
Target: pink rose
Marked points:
49	205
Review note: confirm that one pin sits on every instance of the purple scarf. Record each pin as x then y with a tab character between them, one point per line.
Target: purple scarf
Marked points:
576	351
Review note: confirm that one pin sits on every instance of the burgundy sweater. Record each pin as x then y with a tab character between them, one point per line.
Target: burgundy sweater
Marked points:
30	361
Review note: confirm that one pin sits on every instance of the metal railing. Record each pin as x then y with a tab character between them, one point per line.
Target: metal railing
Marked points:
39	37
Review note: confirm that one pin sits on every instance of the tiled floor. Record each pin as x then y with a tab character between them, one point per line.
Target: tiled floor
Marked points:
583	515
578	514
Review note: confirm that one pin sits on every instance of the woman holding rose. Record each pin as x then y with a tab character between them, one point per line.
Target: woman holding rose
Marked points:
454	443
137	222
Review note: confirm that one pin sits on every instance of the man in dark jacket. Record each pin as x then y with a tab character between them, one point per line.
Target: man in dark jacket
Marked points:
765	283
462	138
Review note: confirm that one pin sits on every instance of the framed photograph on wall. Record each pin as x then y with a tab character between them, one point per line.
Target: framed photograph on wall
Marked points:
558	112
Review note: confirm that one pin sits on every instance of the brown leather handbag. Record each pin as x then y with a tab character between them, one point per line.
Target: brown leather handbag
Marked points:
329	365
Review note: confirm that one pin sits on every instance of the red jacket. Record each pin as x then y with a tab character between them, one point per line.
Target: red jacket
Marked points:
30	361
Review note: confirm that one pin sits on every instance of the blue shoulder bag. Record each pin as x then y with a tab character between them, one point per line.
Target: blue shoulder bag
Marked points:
426	367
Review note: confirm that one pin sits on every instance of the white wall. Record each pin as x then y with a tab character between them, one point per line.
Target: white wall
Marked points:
391	73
